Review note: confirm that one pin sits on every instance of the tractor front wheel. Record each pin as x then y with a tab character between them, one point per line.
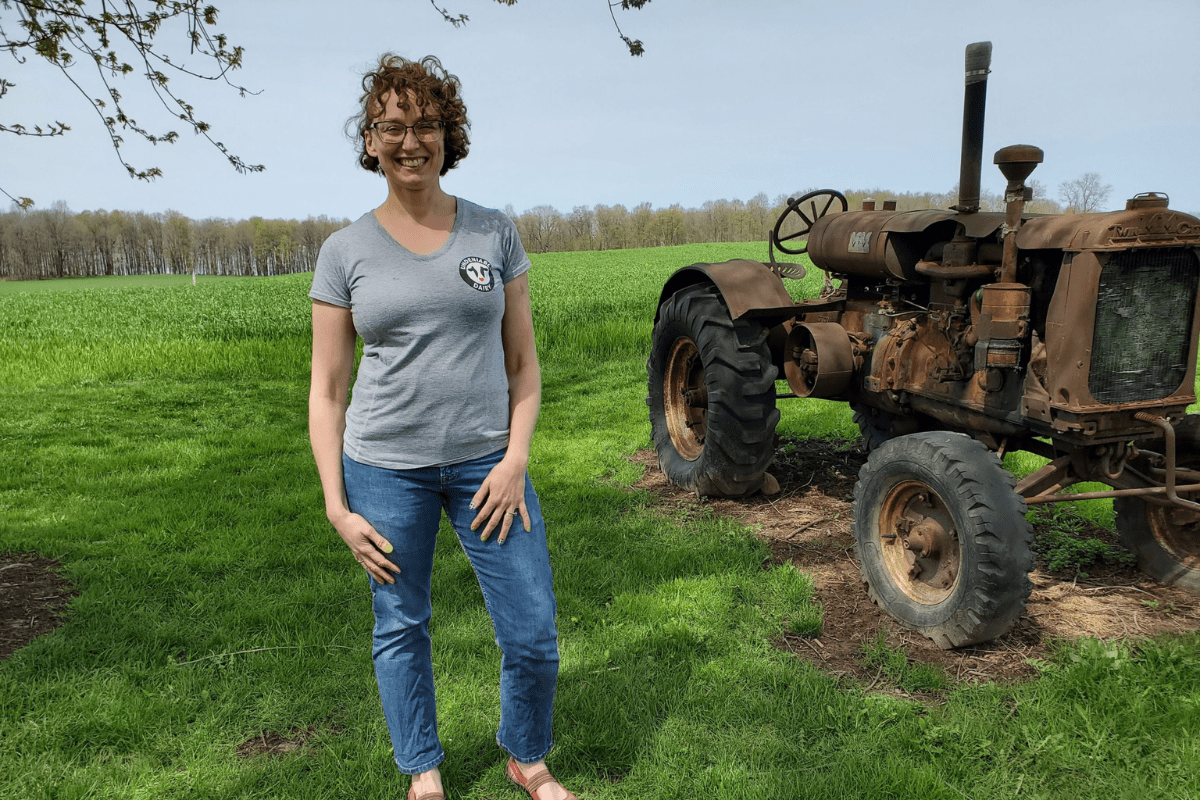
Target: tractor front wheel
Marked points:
711	394
941	537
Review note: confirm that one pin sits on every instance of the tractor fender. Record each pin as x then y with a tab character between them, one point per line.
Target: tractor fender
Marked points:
749	289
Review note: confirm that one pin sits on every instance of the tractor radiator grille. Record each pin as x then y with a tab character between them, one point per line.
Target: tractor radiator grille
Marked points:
1143	324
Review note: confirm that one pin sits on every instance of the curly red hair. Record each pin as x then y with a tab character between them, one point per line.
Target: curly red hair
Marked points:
430	86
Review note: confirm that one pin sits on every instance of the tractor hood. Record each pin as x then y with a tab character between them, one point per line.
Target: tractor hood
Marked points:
1115	230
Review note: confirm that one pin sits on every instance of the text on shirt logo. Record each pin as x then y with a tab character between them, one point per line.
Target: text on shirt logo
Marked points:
477	273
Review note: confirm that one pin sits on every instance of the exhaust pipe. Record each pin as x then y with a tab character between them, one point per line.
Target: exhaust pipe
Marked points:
979	59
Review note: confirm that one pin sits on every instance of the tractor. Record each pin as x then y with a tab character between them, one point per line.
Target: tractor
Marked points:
956	336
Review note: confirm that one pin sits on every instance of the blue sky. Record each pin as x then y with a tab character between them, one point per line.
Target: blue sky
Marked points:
733	98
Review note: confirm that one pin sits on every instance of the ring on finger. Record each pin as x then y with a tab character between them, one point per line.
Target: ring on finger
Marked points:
515	511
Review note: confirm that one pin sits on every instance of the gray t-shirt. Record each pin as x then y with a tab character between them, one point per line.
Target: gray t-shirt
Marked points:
431	388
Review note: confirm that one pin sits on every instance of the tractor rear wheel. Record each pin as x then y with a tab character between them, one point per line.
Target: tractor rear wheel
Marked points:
941	537
875	426
1166	539
711	395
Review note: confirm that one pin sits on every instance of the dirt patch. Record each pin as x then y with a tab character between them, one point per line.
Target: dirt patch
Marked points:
809	524
268	743
32	599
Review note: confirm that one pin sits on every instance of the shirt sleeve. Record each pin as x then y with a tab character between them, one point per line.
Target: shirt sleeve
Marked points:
329	278
516	261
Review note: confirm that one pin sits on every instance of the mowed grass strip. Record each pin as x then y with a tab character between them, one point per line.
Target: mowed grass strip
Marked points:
154	442
8	287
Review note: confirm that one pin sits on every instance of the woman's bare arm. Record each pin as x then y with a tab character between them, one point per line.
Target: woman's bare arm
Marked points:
332	363
504	488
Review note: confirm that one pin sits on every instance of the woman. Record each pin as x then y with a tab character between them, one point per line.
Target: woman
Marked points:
443	412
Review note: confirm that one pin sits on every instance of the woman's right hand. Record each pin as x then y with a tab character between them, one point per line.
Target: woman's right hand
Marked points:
367	545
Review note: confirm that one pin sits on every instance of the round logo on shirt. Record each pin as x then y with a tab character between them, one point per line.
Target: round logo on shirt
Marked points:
477	272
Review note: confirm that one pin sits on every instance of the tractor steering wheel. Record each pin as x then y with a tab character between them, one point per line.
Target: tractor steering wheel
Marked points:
809	208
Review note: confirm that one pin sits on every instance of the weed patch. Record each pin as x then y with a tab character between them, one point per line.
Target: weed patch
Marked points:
1065	544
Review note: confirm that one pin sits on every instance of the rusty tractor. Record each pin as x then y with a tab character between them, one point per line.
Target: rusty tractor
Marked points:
956	336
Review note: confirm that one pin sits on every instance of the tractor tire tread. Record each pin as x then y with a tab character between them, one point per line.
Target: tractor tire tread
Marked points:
740	378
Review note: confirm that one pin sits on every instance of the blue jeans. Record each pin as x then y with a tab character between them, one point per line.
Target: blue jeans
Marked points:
405	506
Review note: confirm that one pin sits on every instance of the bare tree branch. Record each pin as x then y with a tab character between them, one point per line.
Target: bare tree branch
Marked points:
1085	194
446	15
58	31
21	202
634	45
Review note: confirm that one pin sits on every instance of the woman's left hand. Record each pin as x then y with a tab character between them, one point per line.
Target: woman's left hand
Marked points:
500	499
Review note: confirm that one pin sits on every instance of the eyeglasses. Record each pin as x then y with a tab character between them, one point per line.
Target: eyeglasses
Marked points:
427	130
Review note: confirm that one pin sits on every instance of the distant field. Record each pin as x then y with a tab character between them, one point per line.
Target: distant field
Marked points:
109	282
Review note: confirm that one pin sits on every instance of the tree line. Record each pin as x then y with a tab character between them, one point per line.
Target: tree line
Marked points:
544	229
58	243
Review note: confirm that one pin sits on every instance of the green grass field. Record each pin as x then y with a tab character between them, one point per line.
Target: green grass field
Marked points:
154	441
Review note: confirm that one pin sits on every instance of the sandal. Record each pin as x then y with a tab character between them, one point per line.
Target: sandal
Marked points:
427	796
533	782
